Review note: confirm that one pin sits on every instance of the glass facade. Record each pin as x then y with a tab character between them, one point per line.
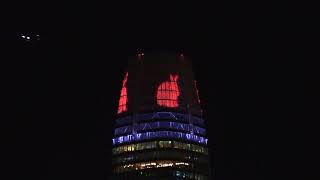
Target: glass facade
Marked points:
145	174
160	115
159	134
161	154
152	164
159	144
158	125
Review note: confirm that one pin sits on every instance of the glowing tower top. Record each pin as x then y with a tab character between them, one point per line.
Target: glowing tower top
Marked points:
159	131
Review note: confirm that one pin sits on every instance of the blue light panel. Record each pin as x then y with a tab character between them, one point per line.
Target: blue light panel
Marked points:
160	124
159	134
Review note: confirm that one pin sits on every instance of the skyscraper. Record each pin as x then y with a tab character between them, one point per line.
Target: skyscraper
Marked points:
159	131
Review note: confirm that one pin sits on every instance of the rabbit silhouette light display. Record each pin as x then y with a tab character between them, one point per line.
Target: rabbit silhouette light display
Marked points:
168	92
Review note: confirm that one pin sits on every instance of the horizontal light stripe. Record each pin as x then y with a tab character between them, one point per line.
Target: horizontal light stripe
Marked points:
167	154
157	125
157	145
159	134
151	164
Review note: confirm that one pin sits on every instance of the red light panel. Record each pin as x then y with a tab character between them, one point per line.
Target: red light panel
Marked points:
168	92
123	96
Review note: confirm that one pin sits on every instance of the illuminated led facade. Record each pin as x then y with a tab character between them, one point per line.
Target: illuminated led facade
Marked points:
159	131
123	96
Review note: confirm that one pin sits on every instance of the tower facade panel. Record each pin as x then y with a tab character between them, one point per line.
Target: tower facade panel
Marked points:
159	131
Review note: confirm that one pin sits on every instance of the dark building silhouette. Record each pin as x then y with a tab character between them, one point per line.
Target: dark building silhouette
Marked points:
159	131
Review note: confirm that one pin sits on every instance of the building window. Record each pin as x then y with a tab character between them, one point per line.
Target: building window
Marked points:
123	101
152	165
162	144
168	92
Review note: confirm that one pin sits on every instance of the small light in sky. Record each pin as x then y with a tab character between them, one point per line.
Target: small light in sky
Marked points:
28	37
23	36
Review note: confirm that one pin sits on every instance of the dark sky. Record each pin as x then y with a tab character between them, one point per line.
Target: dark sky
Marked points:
63	90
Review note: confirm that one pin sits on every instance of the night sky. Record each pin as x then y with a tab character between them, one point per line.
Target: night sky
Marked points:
63	89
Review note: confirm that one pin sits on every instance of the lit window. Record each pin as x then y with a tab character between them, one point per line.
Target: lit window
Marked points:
123	96
147	165
162	144
168	92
